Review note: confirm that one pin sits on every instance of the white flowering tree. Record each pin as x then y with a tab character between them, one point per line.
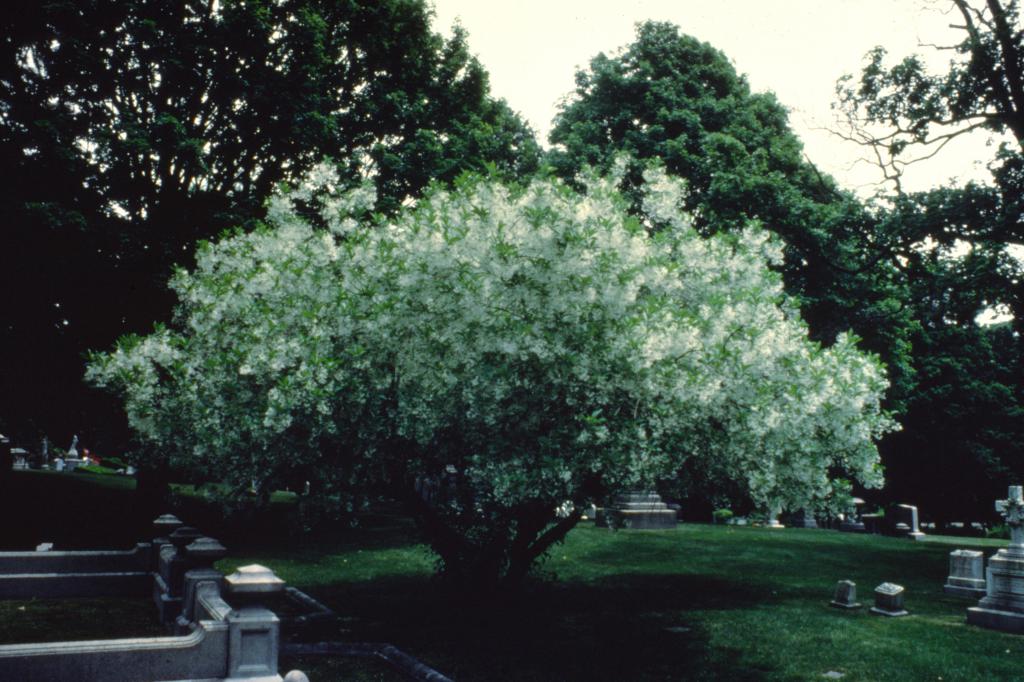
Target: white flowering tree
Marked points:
492	353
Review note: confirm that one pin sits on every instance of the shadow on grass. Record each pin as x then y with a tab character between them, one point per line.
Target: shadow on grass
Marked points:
91	511
623	627
51	620
74	511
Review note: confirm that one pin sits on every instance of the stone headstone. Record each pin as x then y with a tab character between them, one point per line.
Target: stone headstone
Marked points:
1002	607
845	596
296	676
905	521
889	600
802	519
640	511
966	574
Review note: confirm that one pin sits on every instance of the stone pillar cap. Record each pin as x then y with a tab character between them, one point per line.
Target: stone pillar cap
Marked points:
205	549
167	523
254	580
185	536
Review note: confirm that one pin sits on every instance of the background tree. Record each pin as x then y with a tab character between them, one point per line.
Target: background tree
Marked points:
494	353
959	250
671	97
128	130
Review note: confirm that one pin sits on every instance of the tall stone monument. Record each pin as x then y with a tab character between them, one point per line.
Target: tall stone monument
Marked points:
1002	607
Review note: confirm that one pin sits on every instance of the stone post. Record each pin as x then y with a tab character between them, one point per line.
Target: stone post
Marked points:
163	526
200	556
169	585
254	629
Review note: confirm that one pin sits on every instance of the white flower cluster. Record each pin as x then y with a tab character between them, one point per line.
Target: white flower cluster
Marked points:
534	338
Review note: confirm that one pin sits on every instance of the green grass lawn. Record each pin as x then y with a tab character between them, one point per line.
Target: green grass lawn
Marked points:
697	603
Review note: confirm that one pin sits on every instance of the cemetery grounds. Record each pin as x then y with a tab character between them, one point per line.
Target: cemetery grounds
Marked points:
701	602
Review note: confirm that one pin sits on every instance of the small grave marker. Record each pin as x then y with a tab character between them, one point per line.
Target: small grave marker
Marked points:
845	596
889	600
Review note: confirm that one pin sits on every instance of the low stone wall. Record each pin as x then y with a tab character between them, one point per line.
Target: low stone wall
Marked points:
71	585
222	643
102	561
199	655
212	640
63	575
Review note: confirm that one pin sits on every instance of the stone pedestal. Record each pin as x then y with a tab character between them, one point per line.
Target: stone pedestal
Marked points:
169	580
254	630
640	511
200	556
1002	607
889	600
966	574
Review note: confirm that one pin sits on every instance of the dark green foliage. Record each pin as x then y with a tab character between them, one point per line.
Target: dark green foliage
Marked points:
963	436
964	427
131	129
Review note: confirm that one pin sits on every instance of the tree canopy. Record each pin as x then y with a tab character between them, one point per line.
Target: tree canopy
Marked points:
494	352
129	130
955	248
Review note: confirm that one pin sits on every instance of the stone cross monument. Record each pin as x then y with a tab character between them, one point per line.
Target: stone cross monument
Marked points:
1012	509
1002	607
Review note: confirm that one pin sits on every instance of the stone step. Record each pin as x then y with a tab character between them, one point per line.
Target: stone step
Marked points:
650	519
635	498
642	506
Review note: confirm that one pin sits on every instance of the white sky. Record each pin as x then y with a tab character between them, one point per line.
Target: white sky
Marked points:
795	48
